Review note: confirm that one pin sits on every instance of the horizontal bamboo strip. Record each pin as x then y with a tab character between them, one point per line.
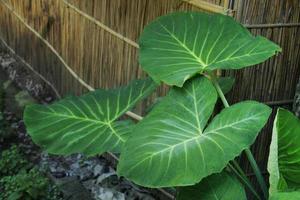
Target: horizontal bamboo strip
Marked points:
280	103
279	25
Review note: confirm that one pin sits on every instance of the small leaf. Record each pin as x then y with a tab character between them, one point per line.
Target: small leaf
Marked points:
226	83
172	146
222	186
284	157
177	46
86	124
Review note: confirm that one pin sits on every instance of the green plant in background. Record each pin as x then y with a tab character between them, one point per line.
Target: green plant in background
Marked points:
18	180
12	161
30	185
178	143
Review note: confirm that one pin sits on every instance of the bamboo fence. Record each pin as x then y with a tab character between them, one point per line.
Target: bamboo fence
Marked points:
78	45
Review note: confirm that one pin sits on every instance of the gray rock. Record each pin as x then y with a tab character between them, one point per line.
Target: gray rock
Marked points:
98	170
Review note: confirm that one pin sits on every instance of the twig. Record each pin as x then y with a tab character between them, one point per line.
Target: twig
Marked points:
103	26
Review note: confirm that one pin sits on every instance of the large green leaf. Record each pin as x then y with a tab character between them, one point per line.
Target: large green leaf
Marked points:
226	84
177	46
172	146
222	186
292	195
284	157
86	124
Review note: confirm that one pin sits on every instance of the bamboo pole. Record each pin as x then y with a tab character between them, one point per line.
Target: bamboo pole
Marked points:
103	26
210	7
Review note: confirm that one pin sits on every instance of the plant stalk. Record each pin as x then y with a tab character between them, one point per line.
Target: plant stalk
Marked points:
242	176
249	154
257	172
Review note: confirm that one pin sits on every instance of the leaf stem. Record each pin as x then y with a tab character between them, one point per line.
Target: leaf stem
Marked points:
257	172
220	92
242	176
249	155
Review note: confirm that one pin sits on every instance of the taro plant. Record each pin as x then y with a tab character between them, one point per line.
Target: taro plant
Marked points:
284	157
180	142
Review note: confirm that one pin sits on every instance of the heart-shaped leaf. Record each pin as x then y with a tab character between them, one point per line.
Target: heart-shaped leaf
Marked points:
172	146
86	124
284	157
177	46
222	186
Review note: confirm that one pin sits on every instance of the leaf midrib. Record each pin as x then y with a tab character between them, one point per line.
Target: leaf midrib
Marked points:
184	46
230	125
107	123
182	143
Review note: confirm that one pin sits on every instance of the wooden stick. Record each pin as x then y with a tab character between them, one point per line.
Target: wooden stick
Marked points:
209	6
103	26
134	116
